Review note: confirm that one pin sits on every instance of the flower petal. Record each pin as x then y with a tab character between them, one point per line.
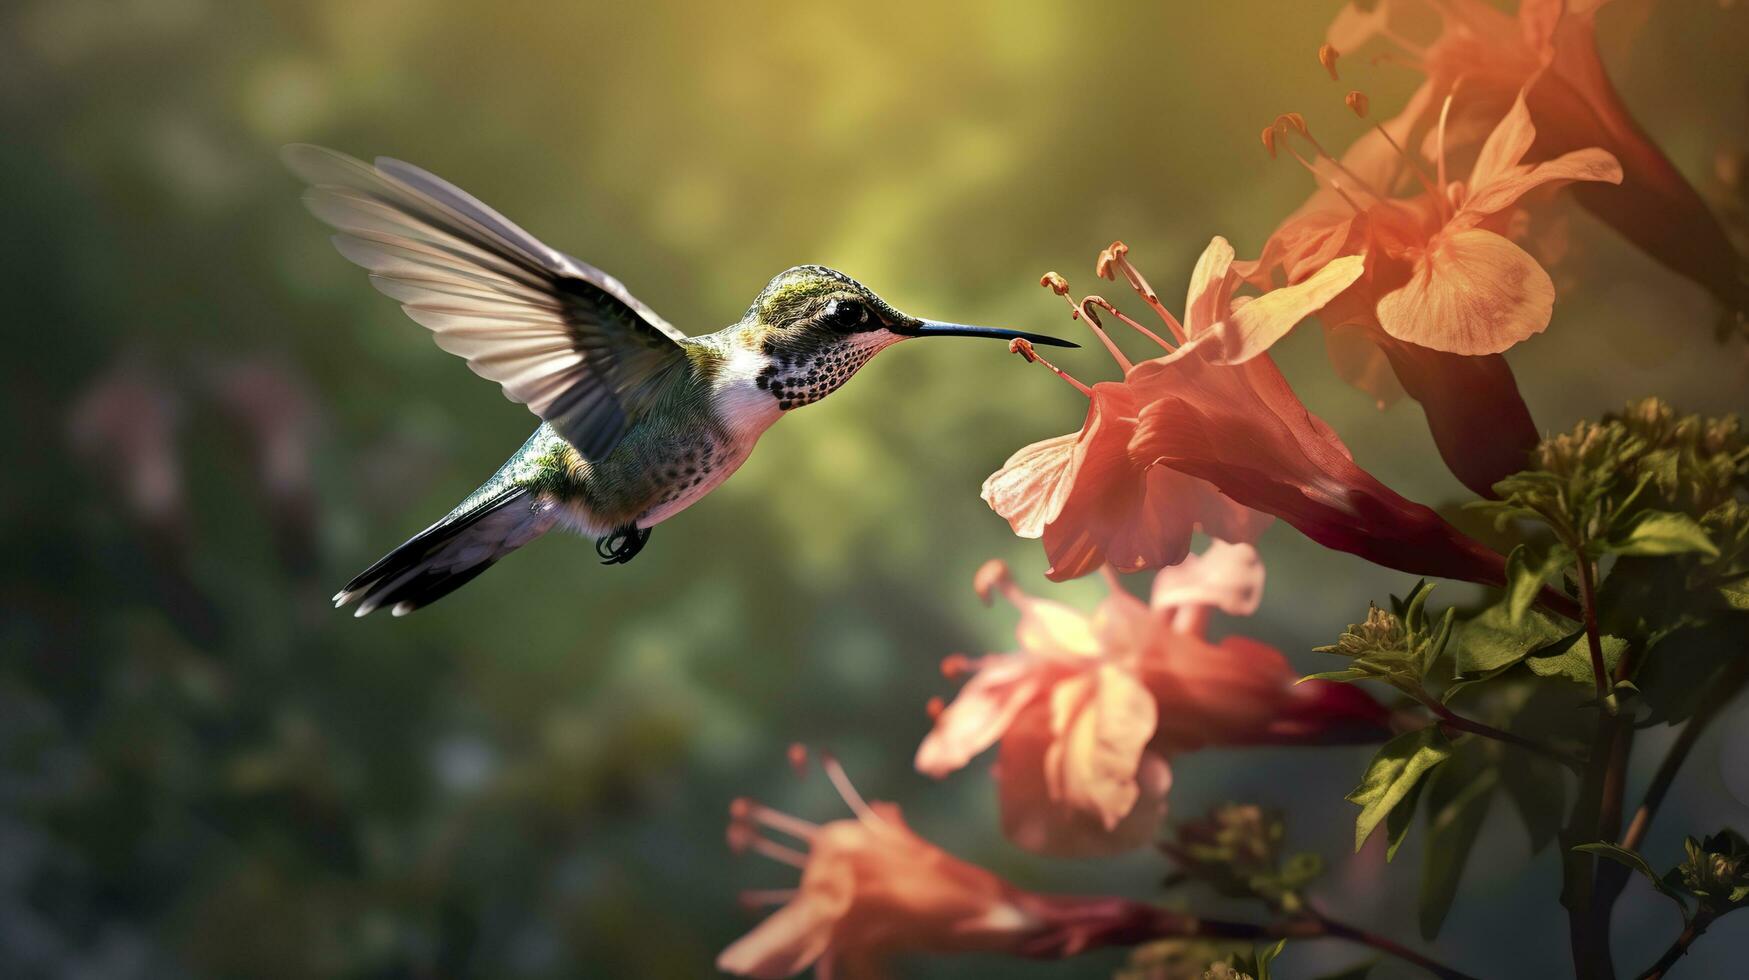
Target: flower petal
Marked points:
1473	292
1029	489
1102	720
1037	823
1505	189
1505	146
1478	419
1205	301
1357	359
1226	576
1254	327
791	939
983	710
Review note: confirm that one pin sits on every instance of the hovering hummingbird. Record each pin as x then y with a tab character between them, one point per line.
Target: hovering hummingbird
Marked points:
638	420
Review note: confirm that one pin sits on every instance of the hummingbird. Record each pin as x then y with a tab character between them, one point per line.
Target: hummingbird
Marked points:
638	420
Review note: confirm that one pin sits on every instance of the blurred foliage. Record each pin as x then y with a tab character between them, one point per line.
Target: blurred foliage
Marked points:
213	420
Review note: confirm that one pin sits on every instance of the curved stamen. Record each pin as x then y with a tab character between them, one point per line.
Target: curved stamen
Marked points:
778	852
779	821
1092	320
1102	303
1414	164
1023	347
1439	143
1111	580
848	793
759	898
1333	183
1117	257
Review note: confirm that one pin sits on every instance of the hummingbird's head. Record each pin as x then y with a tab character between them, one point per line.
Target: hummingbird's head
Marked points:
817	326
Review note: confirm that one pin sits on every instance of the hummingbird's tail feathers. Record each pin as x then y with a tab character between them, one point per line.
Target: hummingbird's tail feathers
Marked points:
449	554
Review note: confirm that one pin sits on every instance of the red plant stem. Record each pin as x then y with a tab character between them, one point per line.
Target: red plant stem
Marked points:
1593	636
1679	948
1451	719
1721	694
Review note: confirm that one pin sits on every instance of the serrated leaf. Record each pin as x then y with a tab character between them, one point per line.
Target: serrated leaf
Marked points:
1633	860
1393	774
1659	532
1458	802
1492	641
1341	676
1736	594
1573	660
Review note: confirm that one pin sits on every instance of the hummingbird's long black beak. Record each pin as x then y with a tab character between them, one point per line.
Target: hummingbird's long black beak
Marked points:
936	328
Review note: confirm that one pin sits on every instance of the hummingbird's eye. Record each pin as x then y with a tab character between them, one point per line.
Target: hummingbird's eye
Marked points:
844	314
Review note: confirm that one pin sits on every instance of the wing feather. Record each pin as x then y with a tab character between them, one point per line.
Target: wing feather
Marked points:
555	333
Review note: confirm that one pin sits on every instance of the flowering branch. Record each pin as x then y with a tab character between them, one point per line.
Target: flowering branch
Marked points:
1715	701
1695	929
1451	719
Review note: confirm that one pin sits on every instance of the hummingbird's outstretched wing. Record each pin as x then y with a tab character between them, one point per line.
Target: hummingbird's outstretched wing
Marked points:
558	335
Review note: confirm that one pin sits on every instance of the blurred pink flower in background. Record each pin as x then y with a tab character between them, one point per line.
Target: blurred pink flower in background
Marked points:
124	425
1548	50
1090	708
277	419
872	888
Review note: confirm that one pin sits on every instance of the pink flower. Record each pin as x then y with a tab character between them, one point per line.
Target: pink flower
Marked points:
871	888
1239	428
125	425
1442	278
1084	494
1548	51
1090	708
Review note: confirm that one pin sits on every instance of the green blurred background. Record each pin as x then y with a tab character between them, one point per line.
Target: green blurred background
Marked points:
213	421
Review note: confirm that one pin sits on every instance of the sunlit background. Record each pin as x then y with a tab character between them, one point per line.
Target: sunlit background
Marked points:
213	421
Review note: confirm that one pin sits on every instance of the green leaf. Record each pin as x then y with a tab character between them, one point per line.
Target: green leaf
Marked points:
1412	608
1393	774
1526	574
1401	818
1341	676
1573	660
1632	859
1457	803
1493	641
1736	594
1660	532
1435	645
1267	956
1683	666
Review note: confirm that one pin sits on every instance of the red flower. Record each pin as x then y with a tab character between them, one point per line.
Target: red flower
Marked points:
1441	279
1091	501
1242	428
871	887
1090	708
1549	51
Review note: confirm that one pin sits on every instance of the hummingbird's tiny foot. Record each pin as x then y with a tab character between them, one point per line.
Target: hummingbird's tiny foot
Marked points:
622	545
